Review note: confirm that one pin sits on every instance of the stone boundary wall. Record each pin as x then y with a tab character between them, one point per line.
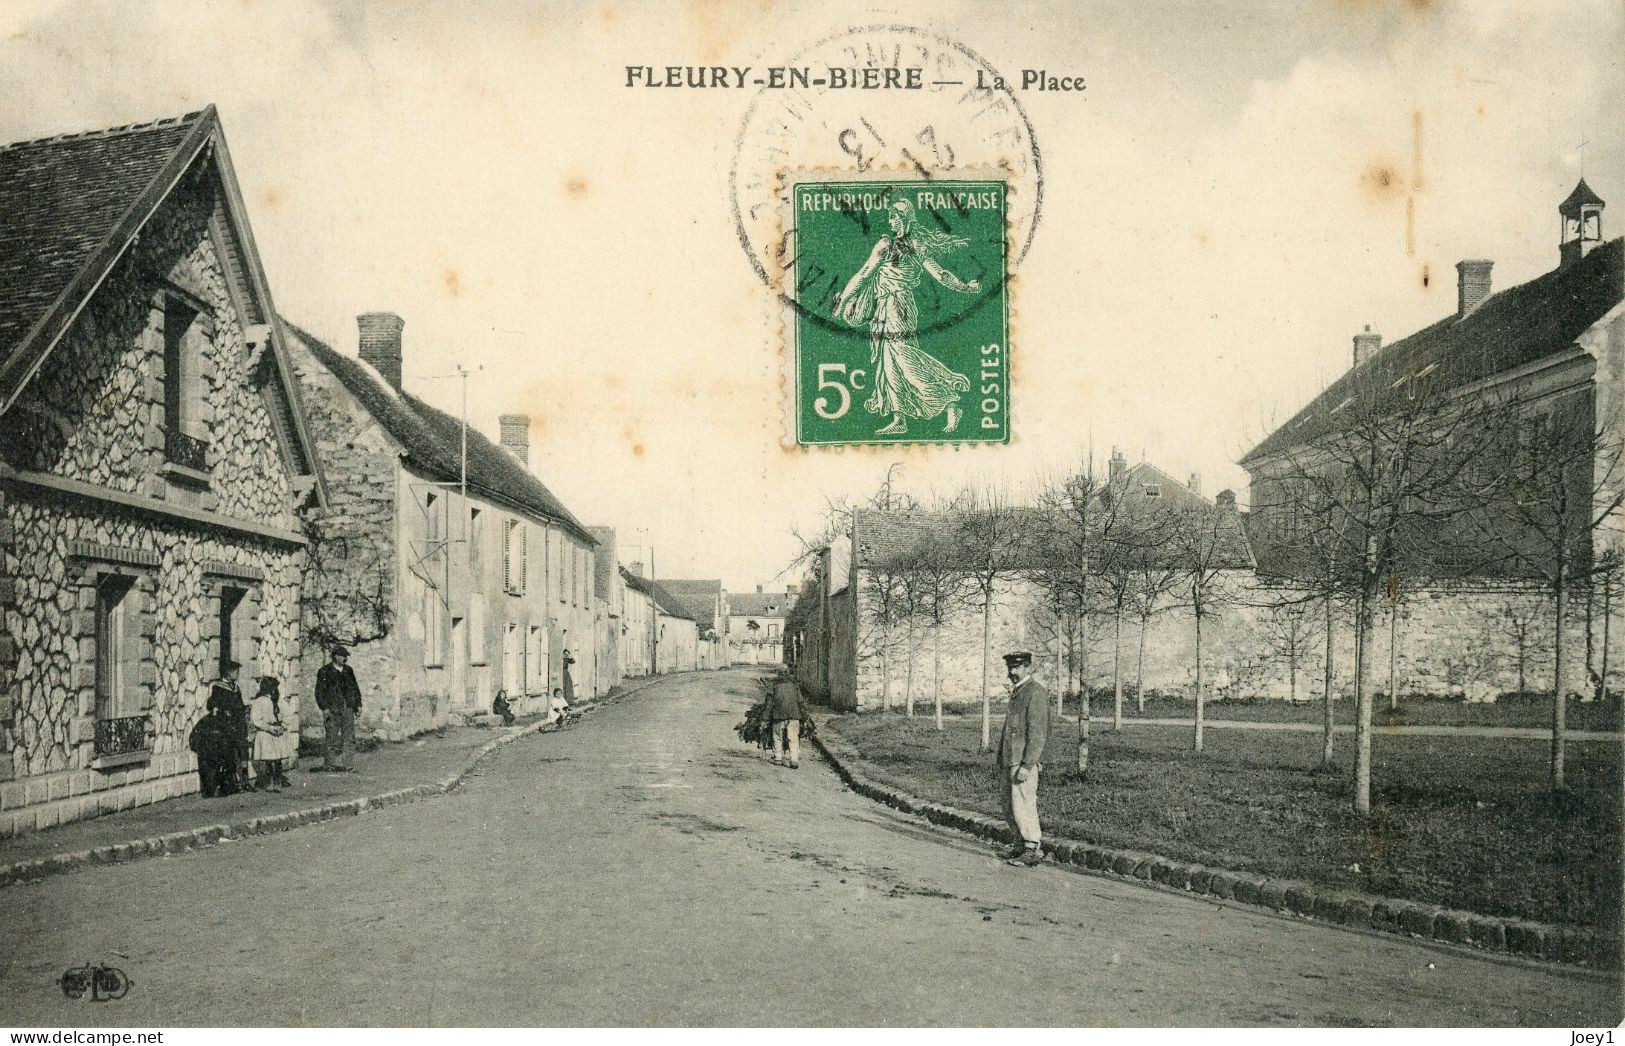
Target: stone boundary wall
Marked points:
1460	640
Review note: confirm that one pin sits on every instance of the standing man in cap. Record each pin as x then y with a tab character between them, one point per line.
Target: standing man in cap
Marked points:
1021	754
339	697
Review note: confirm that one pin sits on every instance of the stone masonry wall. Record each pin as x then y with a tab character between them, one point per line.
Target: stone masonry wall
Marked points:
351	571
1462	640
95	414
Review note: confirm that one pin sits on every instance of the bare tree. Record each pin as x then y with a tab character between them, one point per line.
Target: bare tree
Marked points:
1524	624
1201	542
348	596
911	606
987	537
1558	483
1289	626
1065	557
1155	575
942	585
1386	478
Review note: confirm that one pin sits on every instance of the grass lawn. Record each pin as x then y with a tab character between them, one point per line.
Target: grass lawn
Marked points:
1513	710
1460	822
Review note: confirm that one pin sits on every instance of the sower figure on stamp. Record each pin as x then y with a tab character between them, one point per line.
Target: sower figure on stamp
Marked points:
784	721
339	697
908	381
226	700
1021	754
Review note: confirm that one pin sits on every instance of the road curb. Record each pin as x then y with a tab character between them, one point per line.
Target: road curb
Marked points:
192	838
1490	933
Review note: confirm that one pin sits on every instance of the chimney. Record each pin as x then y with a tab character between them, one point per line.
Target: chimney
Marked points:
1195	483
1226	500
1118	467
381	344
1366	345
635	569
515	437
758	590
791	590
1472	284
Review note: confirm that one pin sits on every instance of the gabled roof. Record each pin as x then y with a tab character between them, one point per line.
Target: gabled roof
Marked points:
664	601
892	536
698	598
431	440
71	205
670	605
758	604
1517	326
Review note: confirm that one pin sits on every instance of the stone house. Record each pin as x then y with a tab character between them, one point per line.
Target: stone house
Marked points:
154	457
1553	347
706	603
756	623
678	647
447	582
638	625
609	595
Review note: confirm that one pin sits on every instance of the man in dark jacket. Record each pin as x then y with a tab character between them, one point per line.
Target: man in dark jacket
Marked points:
226	701
339	697
784	720
1021	754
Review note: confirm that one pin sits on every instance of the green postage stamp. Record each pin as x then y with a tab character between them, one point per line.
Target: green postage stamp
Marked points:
900	294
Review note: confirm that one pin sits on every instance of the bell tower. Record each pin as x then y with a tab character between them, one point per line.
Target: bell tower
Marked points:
1582	224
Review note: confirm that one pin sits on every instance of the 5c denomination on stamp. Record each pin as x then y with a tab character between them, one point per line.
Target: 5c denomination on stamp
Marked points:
901	324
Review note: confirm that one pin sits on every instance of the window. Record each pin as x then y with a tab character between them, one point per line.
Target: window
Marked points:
773	632
230	612
476	630
536	661
558	567
431	512
183	386
121	722
511	656
434	628
476	535
514	540
1153	491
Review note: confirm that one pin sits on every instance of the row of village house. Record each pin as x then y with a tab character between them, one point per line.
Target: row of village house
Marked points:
186	478
1554	346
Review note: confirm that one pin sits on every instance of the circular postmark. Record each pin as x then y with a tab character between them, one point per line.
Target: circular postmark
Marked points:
826	115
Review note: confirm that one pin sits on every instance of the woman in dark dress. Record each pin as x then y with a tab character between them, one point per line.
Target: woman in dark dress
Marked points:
226	700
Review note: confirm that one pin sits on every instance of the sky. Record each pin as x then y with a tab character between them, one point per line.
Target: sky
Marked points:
1239	189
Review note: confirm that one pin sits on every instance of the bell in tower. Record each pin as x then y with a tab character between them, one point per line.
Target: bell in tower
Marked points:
1582	224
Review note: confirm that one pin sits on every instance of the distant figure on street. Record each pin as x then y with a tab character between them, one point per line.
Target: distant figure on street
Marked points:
338	695
784	721
569	681
1021	754
501	707
213	743
227	700
265	719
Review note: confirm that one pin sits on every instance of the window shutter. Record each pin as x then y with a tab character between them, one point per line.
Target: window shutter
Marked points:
507	558
524	555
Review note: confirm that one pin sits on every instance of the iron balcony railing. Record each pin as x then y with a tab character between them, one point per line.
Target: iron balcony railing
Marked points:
188	451
123	735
